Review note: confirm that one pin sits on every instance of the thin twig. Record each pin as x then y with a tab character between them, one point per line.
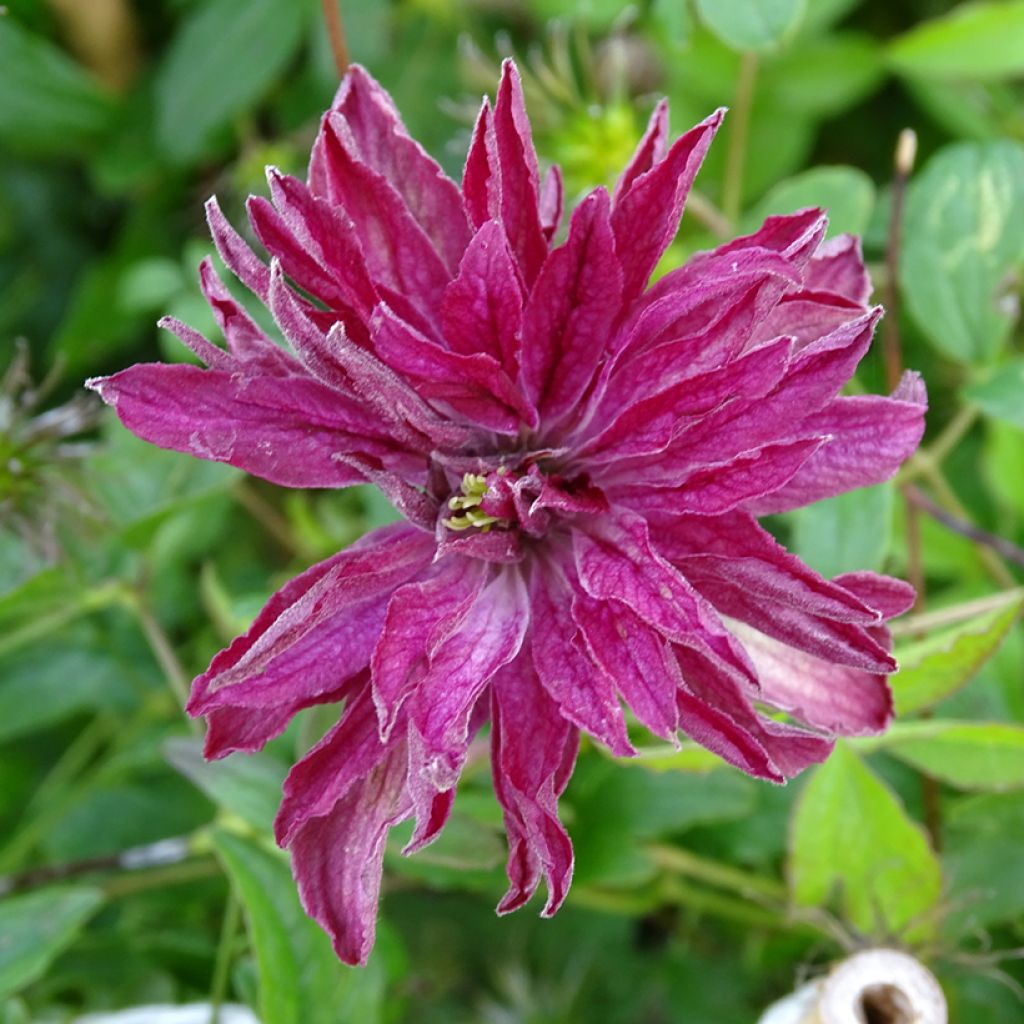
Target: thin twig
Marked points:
163	651
1006	549
225	955
268	517
702	209
957	613
336	34
732	189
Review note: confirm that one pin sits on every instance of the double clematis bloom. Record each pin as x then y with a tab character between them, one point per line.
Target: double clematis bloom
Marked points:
579	459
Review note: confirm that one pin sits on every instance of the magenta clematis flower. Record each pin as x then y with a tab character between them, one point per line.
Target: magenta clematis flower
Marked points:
579	459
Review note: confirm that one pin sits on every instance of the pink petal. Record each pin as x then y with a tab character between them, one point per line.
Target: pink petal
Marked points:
481	187
384	144
838	267
616	562
337	859
482	309
398	252
635	657
649	424
336	607
646	217
533	750
238	257
650	150
551	199
288	431
870	438
584	693
715	710
520	179
474	385
844	701
489	636
420	617
718	489
889	596
569	314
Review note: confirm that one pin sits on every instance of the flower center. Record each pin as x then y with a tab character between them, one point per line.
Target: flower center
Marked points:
470	516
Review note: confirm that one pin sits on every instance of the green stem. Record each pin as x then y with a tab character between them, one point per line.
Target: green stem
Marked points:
163	651
128	884
732	190
225	954
683	862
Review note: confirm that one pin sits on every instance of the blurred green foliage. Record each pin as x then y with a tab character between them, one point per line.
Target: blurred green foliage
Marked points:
700	894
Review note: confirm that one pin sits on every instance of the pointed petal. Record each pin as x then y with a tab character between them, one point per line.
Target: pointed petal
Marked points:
481	188
584	693
843	701
420	617
482	309
718	489
616	562
645	218
520	179
838	267
570	312
338	859
715	710
238	257
384	144
888	596
533	750
635	657
318	630
473	385
650	150
870	438
287	431
551	200
489	636
398	252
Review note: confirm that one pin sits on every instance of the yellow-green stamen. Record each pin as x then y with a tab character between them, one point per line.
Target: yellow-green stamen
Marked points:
474	487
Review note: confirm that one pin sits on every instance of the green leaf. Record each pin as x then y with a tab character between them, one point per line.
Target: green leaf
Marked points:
751	24
938	665
301	980
50	105
248	786
850	833
1001	396
824	77
974	40
847	193
849	532
969	755
223	60
963	239
35	928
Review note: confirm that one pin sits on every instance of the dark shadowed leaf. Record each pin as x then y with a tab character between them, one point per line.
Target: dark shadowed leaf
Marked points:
963	240
225	57
36	927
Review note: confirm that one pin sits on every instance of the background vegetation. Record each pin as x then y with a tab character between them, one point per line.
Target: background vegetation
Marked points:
700	895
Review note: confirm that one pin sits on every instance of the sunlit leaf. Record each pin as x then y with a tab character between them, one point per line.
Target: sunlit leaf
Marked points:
968	755
851	838
974	40
938	665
